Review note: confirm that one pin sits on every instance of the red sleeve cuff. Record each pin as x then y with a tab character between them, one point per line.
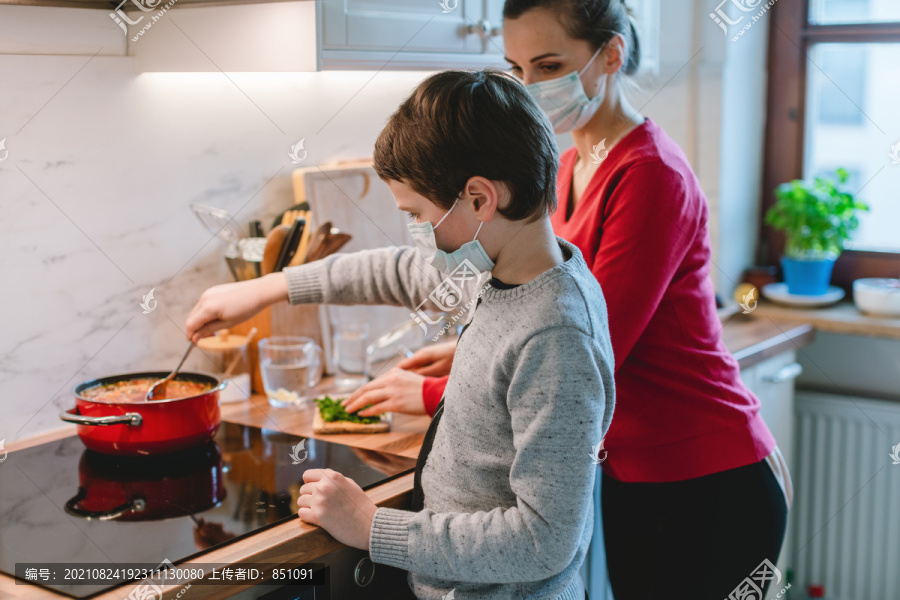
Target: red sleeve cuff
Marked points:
432	392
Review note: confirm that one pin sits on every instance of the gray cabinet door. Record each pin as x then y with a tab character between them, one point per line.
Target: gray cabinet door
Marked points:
402	25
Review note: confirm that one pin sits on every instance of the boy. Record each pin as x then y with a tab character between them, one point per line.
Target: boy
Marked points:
503	498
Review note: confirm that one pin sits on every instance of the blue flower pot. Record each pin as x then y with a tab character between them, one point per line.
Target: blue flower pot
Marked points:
809	277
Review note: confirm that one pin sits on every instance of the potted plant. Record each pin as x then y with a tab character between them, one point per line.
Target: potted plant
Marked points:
816	217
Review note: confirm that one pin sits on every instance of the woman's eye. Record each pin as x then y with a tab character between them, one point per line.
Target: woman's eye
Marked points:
549	68
412	216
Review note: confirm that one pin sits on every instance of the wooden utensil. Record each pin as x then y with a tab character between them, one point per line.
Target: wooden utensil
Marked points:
300	254
318	239
335	242
274	242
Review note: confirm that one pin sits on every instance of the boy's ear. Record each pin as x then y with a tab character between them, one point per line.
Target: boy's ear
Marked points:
486	196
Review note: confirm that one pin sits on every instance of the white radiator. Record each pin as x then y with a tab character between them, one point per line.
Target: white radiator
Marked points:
845	520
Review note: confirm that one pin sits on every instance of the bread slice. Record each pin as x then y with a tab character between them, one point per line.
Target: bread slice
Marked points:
322	426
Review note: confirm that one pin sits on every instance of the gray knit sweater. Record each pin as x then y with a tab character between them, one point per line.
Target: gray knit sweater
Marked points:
509	481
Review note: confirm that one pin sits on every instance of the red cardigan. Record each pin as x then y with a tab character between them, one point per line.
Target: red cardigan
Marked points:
682	410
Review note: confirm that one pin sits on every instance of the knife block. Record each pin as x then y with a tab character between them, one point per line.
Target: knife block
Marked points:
307	320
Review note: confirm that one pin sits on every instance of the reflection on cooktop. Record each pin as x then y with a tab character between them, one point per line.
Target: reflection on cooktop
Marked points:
61	503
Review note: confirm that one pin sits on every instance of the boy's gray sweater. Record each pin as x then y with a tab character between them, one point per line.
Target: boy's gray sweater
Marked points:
509	481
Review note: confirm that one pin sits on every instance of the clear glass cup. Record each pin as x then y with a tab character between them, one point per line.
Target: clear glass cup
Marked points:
349	342
290	368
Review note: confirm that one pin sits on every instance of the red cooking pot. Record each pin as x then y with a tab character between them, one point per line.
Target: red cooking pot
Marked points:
142	428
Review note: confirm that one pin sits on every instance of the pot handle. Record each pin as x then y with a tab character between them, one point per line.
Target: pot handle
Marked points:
73	508
131	418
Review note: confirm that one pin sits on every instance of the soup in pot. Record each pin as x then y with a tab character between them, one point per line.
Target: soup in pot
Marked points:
134	390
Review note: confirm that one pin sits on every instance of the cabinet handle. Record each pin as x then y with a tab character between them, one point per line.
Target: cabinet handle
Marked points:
785	373
482	28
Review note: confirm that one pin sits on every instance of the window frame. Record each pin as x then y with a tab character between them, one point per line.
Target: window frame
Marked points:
790	38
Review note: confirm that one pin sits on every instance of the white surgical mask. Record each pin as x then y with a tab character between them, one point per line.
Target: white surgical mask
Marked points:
447	262
564	100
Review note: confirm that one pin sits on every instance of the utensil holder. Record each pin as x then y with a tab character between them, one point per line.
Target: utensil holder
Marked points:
308	320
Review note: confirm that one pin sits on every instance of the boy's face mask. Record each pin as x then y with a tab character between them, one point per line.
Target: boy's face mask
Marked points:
447	262
564	100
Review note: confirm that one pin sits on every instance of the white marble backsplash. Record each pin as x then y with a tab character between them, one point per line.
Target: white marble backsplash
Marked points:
94	197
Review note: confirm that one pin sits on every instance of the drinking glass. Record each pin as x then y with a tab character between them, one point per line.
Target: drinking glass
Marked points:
349	342
290	368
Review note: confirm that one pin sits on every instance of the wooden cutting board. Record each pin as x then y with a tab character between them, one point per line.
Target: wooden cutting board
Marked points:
322	426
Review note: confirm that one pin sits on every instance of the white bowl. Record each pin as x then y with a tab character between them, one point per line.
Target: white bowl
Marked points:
877	296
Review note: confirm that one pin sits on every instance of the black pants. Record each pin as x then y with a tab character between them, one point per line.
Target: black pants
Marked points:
702	536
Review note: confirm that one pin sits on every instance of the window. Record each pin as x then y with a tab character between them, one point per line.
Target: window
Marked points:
836	12
834	87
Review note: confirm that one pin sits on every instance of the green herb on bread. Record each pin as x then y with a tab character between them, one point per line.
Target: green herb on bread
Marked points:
331	411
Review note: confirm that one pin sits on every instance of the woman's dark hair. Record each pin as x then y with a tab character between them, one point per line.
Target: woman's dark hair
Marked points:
595	21
461	124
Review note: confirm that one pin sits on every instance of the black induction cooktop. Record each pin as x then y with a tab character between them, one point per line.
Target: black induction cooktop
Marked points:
62	503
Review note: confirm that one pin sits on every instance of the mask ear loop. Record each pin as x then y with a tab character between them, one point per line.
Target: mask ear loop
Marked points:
477	230
596	54
448	212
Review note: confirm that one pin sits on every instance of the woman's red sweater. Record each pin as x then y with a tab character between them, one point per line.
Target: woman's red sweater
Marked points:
682	410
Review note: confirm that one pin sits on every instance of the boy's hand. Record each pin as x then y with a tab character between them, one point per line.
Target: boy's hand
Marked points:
432	361
396	391
232	303
337	505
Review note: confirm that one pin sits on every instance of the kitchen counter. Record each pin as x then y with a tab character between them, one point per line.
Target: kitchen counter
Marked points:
842	317
753	338
750	339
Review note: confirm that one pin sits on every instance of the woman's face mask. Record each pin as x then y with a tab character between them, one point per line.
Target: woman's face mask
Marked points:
564	100
447	262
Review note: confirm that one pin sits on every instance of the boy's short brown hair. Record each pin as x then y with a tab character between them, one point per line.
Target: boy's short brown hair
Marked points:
461	124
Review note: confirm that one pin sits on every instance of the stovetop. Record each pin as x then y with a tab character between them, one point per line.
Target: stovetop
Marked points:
62	503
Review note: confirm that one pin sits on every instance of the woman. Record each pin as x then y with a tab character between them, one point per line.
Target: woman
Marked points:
692	482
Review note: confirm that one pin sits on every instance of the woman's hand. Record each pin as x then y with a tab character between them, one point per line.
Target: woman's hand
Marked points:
232	303
432	361
337	505
395	391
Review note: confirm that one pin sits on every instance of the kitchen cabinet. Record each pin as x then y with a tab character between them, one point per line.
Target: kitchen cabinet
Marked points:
302	35
772	380
328	34
409	34
399	34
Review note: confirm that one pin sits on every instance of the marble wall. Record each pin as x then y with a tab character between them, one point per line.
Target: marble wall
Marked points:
94	196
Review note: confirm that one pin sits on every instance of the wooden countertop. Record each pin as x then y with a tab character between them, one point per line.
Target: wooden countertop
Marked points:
753	338
842	317
750	338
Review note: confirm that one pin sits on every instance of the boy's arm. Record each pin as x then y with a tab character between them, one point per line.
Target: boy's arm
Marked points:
560	400
395	276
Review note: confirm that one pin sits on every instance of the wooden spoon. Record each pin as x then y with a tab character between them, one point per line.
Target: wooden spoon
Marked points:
274	241
318	239
333	243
